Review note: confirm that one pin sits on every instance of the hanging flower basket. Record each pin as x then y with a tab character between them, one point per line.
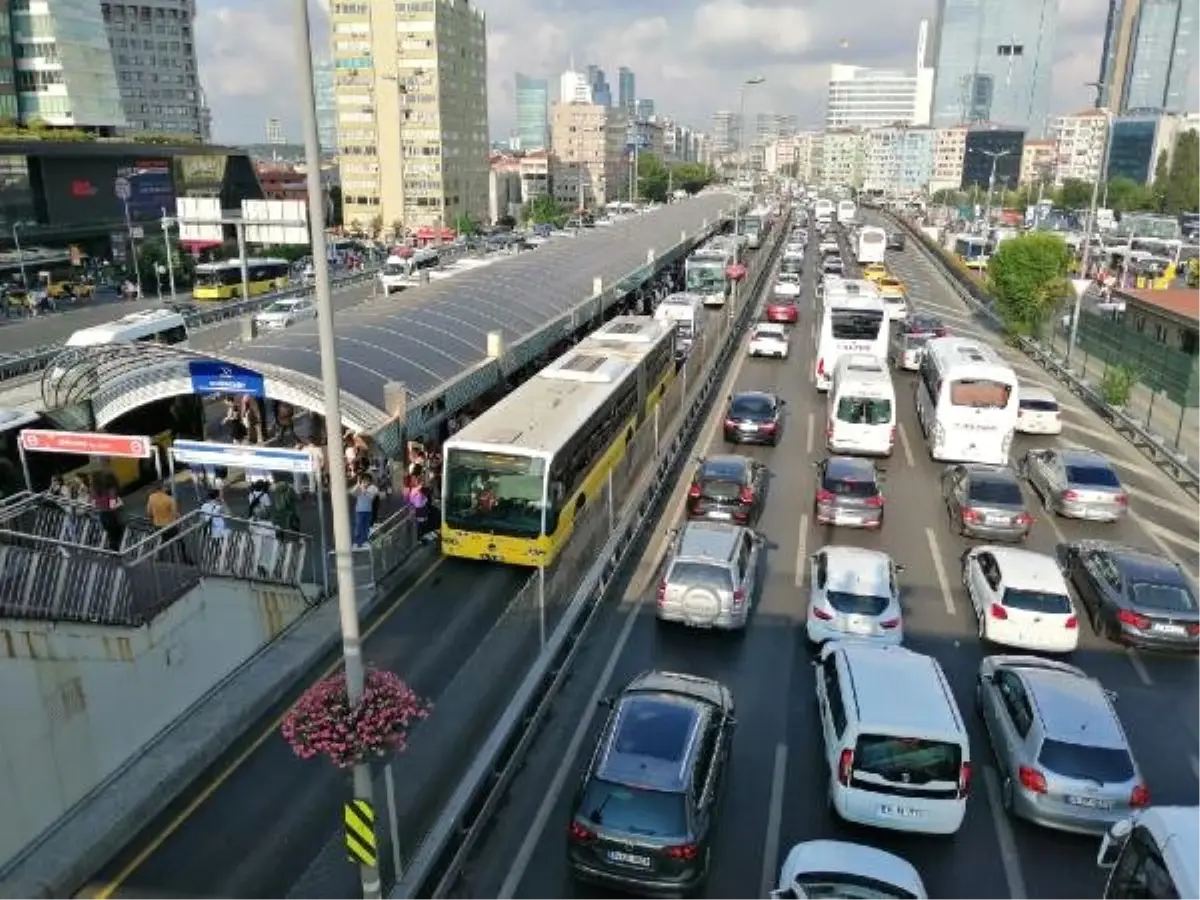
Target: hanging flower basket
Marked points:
322	723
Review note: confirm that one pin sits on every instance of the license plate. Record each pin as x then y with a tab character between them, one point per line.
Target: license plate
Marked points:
720	514
900	812
846	519
997	520
629	859
748	426
1090	802
1167	628
861	626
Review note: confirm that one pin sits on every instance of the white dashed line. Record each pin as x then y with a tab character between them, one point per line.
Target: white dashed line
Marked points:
1143	673
940	569
906	446
1009	858
808	437
774	822
802	552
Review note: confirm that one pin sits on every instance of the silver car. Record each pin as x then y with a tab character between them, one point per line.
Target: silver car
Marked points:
712	576
1076	483
1063	758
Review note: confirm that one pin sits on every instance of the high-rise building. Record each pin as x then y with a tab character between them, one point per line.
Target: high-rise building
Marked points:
275	135
1149	55
533	112
627	89
843	159
898	161
588	141
154	50
574	87
643	110
601	92
992	151
8	67
993	61
326	105
412	112
1080	139
865	97
64	66
949	148
727	132
769	126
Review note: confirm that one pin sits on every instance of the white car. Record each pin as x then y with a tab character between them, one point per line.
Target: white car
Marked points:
794	248
1037	411
769	340
787	284
829	245
1020	599
284	313
852	593
843	869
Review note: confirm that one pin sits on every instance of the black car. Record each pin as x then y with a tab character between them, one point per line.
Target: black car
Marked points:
986	502
793	265
849	492
753	417
833	265
1133	596
643	816
726	488
895	240
924	324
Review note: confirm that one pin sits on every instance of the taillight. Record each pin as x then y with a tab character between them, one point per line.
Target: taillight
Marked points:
889	624
746	495
1193	630
964	779
822	615
739	599
694	492
845	766
874	502
1122	499
681	851
580	834
731	423
662	592
971	515
1070	495
824	496
821	367
1031	779
768	426
828	432
1139	796
1072	622
998	612
1126	617
1024	519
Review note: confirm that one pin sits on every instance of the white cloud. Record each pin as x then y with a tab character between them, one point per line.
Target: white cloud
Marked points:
745	26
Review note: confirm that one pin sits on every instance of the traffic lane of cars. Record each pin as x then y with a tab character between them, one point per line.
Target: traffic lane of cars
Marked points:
250	826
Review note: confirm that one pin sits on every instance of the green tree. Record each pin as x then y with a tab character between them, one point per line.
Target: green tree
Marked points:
1126	195
691	177
464	224
652	178
1074	194
1162	175
152	253
1027	276
543	210
1183	180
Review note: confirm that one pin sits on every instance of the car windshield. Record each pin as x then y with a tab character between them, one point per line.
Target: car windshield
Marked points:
857	604
1033	405
856	325
752	407
393	268
1103	765
282	306
1163	596
723	470
864	411
502	493
994	490
1093	476
696	574
913	761
843	886
764	331
634	810
1036	601
789	278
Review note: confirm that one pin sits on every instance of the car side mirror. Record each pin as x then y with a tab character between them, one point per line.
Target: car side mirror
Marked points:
987	678
606	702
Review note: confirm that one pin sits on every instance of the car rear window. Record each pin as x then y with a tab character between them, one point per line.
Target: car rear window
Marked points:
1106	765
864	411
993	490
907	760
857	604
1037	601
843	487
1161	596
752	406
1038	405
1093	476
634	810
694	574
723	470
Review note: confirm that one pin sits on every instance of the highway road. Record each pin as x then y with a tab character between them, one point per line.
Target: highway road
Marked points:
775	795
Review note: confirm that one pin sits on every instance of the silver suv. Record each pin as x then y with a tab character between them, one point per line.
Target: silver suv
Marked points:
712	576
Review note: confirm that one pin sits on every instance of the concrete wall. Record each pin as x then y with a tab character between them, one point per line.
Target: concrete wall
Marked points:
77	700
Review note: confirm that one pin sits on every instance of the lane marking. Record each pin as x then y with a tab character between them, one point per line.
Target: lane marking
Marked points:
802	551
940	569
1009	858
1174	537
1154	500
906	446
770	863
808	438
1195	763
1135	660
1152	533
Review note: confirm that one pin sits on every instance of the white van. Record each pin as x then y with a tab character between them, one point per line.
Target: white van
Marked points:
894	738
689	315
159	326
1153	854
861	416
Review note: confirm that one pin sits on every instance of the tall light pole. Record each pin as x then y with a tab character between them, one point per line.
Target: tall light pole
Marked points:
20	254
1090	223
995	156
737	178
338	488
166	227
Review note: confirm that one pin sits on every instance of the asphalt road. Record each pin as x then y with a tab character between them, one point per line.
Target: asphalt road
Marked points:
776	793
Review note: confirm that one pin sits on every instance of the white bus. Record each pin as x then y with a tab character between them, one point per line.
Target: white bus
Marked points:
851	322
704	273
160	326
846	213
1153	854
967	402
753	225
872	245
861	414
687	313
823	210
400	272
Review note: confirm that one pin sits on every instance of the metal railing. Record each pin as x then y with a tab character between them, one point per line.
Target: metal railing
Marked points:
1154	446
534	643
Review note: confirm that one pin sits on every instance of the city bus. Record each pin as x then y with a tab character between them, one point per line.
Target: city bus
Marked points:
223	280
967	402
515	479
854	320
872	245
704	273
846	212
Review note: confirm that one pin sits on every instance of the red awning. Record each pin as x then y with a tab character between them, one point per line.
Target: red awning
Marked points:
425	233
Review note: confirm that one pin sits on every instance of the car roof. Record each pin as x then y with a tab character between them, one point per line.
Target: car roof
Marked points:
1073	708
1034	392
1028	569
1081	456
824	856
773	327
653	739
881	674
724	462
748	395
705	541
853	466
1134	563
857	570
979	472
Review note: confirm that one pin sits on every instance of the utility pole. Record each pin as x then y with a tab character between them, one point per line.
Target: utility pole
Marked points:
737	206
166	227
338	488
1085	257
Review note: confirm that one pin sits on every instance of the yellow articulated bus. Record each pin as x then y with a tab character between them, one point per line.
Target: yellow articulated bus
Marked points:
223	280
516	477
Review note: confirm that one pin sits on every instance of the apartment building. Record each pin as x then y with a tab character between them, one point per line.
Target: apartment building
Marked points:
1038	161
809	153
898	162
1080	141
843	159
411	89
779	156
8	67
726	133
949	148
588	142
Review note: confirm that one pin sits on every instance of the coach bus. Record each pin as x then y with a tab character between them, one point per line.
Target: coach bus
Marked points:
515	478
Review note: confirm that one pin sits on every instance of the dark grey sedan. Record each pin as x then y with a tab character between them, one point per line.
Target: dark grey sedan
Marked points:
985	502
849	492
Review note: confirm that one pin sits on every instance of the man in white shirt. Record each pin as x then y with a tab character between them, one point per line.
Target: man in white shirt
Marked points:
214	511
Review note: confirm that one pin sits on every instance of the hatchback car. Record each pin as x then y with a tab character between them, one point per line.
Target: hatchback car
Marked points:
285	313
1133	596
643	815
712	576
793	262
727	489
1076	483
769	340
1037	411
787	285
985	502
1062	755
833	265
842	869
753	417
849	492
853	594
1020	599
783	309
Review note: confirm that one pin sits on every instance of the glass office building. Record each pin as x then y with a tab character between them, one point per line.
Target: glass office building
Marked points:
1131	148
1163	56
533	112
988	146
993	62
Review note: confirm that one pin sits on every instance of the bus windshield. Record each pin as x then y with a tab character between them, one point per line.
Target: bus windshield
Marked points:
502	493
855	325
706	279
980	393
751	225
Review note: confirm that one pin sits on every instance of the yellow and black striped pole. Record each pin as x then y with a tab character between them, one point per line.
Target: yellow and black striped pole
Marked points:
359	821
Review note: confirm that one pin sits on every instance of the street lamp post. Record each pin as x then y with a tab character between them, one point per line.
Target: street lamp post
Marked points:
20	254
996	156
737	178
338	488
166	227
1085	256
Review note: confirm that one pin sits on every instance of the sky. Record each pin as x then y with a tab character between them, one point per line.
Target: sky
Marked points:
688	56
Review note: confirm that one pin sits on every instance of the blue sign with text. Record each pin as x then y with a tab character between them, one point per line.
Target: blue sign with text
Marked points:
212	377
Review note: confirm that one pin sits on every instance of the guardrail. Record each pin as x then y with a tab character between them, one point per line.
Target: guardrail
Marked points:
1174	465
449	842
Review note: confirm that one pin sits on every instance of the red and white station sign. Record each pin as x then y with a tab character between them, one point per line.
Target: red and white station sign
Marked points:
86	443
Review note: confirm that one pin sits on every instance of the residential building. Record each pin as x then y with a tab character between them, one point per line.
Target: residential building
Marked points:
808	154
1039	161
598	81
992	154
1149	55
949	148
535	175
898	162
644	109
627	90
412	112
326	105
727	133
574	87
843	159
281	181
504	188
646	135
779	156
1080	139
588	141
992	62
533	112
65	75
153	48
8	67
